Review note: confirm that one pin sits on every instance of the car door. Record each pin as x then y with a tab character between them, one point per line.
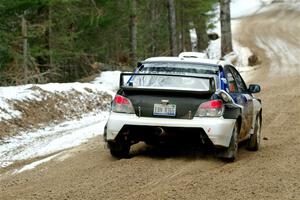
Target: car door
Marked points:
239	92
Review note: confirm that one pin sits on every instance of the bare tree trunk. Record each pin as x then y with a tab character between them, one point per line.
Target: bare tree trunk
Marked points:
226	37
181	34
133	35
50	38
153	20
193	37
172	27
25	49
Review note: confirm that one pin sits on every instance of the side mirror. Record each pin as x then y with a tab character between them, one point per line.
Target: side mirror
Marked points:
254	88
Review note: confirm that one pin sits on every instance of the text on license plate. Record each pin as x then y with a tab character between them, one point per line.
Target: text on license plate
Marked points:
164	110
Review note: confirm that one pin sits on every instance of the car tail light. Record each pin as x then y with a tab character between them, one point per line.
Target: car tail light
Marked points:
122	105
213	108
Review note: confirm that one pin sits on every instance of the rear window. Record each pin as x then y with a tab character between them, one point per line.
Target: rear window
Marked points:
167	82
179	68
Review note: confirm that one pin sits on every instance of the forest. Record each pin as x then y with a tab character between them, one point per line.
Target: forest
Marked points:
45	41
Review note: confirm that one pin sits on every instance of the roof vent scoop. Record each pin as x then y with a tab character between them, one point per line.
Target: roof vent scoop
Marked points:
192	55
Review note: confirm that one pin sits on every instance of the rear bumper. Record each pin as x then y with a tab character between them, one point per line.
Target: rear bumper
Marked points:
218	130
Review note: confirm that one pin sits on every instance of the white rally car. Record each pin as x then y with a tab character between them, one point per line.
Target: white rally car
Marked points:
184	99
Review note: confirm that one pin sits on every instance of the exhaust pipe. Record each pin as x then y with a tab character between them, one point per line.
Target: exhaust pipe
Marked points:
160	131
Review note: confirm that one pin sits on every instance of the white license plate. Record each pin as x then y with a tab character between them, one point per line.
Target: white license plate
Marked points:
164	110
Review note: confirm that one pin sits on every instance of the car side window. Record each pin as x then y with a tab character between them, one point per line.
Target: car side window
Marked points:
232	86
239	80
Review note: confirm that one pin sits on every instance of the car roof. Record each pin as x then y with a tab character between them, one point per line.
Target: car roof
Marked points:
212	62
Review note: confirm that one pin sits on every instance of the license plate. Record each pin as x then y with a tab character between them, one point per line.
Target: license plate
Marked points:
164	110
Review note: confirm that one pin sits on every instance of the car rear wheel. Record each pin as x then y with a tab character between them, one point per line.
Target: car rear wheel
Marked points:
230	153
254	140
119	150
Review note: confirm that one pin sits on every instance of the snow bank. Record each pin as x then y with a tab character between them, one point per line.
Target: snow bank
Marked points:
13	93
109	80
242	8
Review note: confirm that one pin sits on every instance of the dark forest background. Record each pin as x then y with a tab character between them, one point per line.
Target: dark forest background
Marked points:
65	40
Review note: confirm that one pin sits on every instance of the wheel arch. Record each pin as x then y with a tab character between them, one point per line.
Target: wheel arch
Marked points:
239	121
260	115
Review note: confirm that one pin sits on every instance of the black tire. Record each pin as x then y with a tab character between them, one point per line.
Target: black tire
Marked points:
254	140
230	153
119	150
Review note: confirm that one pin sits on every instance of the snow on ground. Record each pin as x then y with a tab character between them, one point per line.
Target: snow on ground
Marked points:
51	139
35	164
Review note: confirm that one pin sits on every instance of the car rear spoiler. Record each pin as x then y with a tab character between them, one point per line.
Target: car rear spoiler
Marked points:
128	87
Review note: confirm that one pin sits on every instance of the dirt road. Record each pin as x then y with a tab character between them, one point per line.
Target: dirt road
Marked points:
89	172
